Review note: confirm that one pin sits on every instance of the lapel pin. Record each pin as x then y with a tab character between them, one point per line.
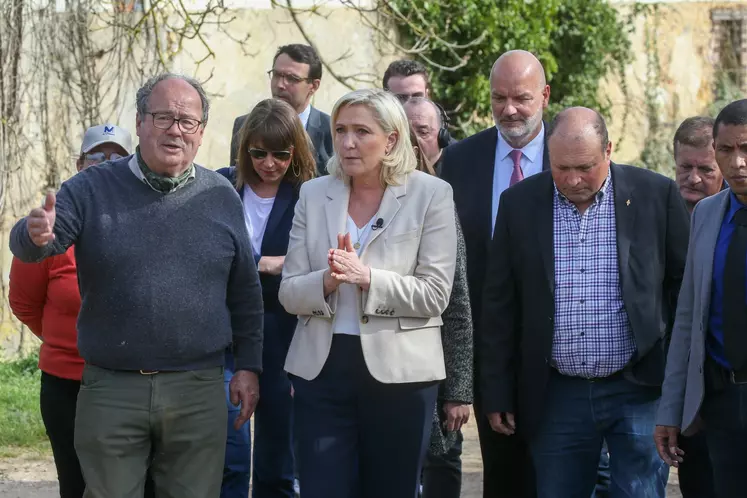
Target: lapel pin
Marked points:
627	203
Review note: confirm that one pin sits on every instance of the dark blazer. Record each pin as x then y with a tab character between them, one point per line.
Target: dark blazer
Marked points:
456	338
275	241
318	128
468	166
516	337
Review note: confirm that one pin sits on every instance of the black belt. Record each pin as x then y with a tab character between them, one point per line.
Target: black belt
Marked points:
717	378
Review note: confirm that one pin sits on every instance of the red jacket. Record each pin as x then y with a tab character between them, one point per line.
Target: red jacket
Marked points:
45	297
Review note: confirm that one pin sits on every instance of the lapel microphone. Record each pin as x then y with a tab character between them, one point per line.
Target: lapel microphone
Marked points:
379	224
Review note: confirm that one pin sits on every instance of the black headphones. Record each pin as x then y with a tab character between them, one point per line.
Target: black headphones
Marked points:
444	137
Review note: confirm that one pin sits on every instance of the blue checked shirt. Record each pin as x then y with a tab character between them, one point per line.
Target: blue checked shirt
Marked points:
592	336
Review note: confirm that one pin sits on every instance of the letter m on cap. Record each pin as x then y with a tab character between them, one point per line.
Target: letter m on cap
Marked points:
108	130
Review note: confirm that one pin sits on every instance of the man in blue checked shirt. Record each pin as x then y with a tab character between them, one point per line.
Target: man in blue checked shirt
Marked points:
585	266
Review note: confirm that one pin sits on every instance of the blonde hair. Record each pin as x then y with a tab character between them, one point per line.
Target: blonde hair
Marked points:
391	117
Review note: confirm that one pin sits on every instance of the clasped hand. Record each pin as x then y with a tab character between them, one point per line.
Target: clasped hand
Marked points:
344	265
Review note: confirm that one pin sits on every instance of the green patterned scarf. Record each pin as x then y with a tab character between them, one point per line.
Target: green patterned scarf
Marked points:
161	183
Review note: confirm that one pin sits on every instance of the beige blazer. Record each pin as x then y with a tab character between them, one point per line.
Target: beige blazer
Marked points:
412	259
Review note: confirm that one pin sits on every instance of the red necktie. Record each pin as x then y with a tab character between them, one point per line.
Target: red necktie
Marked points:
516	175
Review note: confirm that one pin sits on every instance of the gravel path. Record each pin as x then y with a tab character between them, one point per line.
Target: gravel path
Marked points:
34	476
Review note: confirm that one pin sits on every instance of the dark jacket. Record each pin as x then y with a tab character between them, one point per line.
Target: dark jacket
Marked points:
517	325
274	243
456	336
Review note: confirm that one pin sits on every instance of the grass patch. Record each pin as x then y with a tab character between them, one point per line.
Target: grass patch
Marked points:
21	427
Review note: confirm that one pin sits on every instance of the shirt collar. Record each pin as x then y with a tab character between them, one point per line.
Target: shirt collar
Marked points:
532	151
304	116
734	206
139	174
599	195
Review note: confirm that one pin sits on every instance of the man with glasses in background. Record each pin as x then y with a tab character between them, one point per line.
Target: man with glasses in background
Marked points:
295	77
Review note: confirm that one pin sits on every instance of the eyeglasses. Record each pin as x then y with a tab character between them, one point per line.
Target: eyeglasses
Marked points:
164	121
100	157
289	78
280	155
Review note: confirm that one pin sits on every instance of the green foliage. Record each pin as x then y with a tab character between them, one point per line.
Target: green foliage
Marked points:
578	42
20	419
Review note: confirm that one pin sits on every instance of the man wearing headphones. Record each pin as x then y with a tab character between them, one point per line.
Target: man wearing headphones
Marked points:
431	125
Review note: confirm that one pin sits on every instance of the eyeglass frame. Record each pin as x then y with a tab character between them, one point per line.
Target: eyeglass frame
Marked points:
178	122
293	80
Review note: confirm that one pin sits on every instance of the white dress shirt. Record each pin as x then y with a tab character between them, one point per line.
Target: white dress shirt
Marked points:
532	155
304	116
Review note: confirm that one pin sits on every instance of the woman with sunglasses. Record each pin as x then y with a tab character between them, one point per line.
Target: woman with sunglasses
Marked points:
275	157
44	297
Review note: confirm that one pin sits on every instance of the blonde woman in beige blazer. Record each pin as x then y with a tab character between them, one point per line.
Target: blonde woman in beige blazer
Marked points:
369	271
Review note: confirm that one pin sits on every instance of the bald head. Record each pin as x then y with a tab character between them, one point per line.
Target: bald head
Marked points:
519	95
519	63
579	151
579	123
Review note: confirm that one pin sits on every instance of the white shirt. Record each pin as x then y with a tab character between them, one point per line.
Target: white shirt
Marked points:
532	156
256	213
304	116
348	314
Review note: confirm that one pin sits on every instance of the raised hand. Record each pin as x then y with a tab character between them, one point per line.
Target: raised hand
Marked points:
40	221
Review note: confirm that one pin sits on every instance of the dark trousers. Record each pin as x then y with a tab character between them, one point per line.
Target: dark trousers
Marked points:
695	472
507	466
442	474
274	461
725	415
359	438
580	415
57	401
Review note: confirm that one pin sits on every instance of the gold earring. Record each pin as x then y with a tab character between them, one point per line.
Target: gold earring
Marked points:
296	172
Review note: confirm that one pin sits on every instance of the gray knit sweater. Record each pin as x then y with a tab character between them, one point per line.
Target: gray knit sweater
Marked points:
167	281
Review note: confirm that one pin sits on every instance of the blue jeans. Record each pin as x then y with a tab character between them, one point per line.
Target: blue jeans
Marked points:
581	414
725	417
238	462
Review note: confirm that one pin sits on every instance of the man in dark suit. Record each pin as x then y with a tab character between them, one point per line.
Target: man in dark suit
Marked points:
585	267
295	77
479	169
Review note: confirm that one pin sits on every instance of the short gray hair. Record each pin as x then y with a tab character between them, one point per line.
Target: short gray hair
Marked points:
143	94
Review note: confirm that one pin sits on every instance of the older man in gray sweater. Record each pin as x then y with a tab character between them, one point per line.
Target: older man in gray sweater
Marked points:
167	282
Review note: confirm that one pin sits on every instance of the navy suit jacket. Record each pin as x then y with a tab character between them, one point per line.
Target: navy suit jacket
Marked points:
468	166
318	128
274	243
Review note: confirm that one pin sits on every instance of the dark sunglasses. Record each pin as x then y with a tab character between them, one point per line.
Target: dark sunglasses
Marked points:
280	155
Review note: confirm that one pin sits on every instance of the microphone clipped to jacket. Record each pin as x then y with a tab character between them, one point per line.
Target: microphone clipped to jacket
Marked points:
379	224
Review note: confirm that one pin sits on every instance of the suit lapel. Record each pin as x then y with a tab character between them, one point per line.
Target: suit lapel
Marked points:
545	153
543	221
282	203
313	126
624	219
336	209
483	194
709	238
388	209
